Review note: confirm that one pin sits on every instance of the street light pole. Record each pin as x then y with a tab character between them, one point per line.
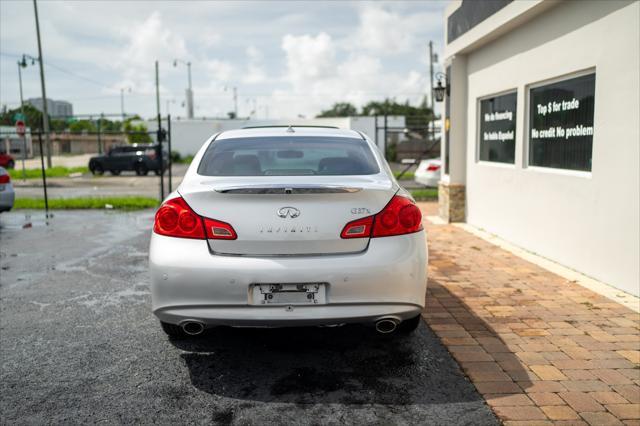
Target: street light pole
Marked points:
45	112
235	101
189	94
24	118
169	101
122	104
159	132
122	113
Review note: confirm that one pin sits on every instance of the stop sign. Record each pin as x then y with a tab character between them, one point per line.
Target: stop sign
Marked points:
20	128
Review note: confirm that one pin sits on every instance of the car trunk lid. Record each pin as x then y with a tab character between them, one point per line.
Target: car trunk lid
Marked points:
287	216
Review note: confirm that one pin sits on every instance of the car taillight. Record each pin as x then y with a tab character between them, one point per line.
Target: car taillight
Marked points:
433	168
358	228
5	179
218	230
151	153
176	219
400	216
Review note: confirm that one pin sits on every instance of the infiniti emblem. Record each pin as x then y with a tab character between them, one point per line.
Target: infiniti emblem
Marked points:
291	212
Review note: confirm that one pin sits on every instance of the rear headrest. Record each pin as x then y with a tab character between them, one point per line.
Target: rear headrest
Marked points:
338	165
246	165
221	164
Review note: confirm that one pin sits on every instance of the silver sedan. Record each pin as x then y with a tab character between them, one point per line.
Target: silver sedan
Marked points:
7	194
288	226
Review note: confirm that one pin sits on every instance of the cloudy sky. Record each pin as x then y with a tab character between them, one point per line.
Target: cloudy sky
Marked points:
285	58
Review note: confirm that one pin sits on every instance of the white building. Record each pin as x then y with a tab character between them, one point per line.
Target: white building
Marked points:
56	109
14	144
187	136
543	118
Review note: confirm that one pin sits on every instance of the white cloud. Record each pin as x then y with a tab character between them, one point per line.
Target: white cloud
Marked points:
293	57
383	31
255	73
149	41
221	71
152	40
308	57
318	77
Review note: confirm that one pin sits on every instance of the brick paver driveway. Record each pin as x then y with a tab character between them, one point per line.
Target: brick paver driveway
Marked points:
539	348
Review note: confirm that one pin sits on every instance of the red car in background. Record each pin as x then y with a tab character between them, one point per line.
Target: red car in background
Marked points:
7	161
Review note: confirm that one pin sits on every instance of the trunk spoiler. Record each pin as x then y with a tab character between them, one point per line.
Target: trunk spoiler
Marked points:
286	189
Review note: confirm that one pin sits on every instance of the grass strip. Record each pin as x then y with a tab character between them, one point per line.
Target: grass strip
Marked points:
57	171
425	194
116	203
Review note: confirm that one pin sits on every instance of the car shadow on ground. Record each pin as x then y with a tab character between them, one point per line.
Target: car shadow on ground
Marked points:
348	365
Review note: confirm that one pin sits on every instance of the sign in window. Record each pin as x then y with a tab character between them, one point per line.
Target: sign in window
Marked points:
498	128
561	124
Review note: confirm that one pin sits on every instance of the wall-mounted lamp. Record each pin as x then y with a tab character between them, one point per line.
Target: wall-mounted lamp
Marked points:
440	90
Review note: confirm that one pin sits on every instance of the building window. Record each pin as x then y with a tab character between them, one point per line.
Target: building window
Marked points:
561	124
498	128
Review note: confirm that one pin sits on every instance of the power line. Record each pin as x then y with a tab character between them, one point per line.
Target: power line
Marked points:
78	75
64	70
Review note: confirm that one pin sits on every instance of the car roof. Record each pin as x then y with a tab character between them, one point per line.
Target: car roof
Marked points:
289	131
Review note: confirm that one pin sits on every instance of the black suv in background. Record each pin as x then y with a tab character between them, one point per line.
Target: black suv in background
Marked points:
138	158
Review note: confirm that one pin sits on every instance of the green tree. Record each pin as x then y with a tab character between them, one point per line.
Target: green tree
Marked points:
340	109
33	117
136	133
110	126
83	126
391	107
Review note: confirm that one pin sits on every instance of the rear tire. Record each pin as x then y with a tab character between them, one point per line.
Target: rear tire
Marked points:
172	330
141	169
410	325
96	169
11	164
157	172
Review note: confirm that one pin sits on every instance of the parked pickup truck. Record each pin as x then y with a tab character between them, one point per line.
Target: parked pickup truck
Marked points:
137	157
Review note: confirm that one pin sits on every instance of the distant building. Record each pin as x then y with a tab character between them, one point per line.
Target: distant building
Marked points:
13	144
56	109
188	136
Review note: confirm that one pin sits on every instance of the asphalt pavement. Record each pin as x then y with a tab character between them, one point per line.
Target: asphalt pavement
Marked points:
107	185
78	344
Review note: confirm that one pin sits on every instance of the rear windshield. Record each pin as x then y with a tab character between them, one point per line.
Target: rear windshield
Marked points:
289	156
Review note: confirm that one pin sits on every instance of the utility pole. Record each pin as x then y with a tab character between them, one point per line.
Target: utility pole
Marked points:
45	112
159	133
235	101
431	72
189	94
158	94
24	117
122	104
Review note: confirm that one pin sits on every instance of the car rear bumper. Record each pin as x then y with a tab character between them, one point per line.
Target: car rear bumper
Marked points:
7	197
280	316
190	283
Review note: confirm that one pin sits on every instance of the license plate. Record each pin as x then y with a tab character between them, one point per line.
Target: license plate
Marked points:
288	294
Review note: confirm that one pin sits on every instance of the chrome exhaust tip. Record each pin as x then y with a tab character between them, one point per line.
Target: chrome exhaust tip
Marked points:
192	328
386	326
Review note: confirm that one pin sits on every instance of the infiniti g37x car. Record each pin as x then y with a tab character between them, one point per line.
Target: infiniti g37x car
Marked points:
297	226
